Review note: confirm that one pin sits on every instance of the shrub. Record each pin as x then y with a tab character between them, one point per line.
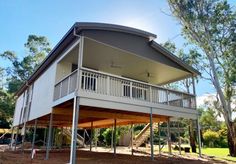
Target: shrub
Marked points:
211	138
107	136
223	142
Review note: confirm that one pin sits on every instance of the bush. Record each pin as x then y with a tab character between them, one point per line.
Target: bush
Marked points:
107	134
211	138
223	142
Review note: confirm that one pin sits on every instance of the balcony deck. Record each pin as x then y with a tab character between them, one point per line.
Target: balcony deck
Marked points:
103	86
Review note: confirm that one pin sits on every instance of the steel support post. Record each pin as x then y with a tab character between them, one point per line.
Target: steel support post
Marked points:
112	138
199	138
132	139
16	138
61	138
23	138
53	135
159	135
114	135
96	138
33	141
84	139
91	136
44	136
74	130
151	135
12	137
48	147
179	139
169	137
198	125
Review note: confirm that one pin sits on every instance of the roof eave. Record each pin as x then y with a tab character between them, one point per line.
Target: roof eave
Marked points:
174	58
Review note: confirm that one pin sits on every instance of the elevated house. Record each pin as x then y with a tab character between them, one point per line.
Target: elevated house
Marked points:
99	75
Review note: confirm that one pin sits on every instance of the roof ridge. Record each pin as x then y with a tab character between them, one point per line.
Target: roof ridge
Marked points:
114	27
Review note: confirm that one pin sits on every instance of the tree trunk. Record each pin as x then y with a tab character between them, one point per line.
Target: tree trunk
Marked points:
202	139
192	137
232	139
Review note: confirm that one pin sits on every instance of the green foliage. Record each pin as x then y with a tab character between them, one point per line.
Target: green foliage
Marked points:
6	108
211	26
107	134
210	124
138	128
210	138
208	120
223	143
170	46
216	138
37	48
190	57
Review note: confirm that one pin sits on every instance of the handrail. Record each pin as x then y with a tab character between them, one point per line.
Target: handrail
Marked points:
147	92
142	131
136	81
64	78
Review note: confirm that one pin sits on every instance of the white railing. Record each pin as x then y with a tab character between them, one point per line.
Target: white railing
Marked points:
112	85
66	86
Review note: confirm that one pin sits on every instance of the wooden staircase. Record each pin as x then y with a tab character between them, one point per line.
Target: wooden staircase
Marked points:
143	135
80	139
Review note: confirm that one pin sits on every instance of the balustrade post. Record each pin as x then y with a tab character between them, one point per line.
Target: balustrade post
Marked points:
167	98
108	85
60	89
182	100
68	87
80	80
150	93
131	86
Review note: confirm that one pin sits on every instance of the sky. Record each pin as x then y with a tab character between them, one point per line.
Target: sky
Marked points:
53	19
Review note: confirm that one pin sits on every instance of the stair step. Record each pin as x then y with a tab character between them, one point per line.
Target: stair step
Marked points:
145	135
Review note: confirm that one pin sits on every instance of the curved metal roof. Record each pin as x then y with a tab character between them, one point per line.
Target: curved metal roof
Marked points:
80	26
112	27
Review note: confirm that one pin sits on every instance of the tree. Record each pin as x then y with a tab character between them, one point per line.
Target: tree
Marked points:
208	120
191	58
6	108
210	137
20	70
211	26
37	47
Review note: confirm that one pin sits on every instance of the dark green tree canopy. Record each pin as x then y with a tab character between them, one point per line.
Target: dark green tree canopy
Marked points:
211	26
37	47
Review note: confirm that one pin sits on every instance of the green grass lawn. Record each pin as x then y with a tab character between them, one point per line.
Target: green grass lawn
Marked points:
220	153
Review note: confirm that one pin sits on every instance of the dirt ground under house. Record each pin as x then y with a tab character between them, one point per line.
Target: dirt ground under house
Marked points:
98	156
